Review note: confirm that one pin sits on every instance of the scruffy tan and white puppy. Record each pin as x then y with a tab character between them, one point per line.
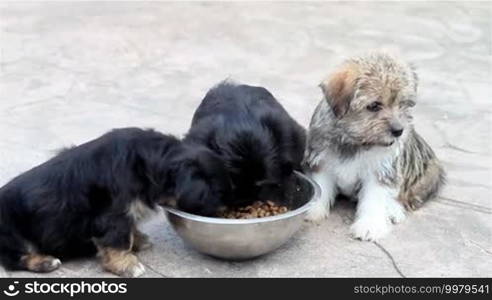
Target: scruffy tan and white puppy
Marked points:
361	143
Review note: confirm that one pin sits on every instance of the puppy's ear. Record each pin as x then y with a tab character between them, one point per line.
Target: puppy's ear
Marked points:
193	193
339	89
193	197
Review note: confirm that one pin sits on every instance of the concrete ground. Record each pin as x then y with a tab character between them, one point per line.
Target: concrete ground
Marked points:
70	72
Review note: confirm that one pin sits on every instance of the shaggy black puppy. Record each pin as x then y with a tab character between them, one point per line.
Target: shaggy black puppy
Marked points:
89	198
259	143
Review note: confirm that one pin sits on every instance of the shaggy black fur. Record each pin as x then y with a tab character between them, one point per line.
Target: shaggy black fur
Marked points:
85	193
256	138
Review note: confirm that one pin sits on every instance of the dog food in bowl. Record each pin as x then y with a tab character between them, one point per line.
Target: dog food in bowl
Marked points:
258	209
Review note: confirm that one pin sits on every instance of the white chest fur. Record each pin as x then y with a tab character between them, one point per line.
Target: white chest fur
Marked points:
349	173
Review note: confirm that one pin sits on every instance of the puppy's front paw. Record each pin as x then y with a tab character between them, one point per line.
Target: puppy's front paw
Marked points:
40	263
318	212
129	268
135	270
370	228
395	211
122	263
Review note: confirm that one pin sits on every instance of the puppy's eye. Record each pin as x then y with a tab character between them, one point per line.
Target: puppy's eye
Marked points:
375	106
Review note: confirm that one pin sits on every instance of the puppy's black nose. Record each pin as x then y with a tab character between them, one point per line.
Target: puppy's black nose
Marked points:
396	132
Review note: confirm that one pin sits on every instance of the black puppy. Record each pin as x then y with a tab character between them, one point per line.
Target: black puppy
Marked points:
89	198
259	143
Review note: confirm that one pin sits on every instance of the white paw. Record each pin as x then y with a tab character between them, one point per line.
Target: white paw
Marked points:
370	228
396	212
136	270
55	263
318	212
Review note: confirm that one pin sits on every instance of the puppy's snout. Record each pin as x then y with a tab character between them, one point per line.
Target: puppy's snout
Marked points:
397	130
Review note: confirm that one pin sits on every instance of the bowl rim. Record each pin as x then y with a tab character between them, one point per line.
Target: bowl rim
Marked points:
211	220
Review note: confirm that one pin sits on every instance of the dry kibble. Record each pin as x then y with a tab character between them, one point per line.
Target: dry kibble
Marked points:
258	209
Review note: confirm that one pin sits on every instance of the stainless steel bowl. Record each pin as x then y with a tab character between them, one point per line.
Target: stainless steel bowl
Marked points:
246	238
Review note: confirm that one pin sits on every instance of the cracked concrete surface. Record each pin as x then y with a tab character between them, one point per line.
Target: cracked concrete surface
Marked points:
69	72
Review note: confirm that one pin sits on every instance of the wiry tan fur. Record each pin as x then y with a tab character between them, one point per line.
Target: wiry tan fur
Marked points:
421	173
